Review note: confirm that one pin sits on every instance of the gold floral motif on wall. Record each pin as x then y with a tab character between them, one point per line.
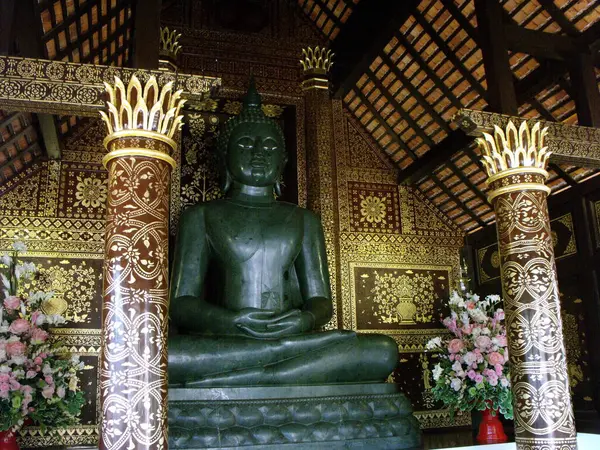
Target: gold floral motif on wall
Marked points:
76	286
91	192
83	191
21	197
391	297
374	207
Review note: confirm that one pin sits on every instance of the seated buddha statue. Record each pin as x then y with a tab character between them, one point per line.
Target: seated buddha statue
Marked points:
250	286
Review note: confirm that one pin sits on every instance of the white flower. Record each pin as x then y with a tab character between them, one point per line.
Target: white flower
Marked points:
476	332
55	319
464	318
4	369
437	372
456	384
5	259
5	280
493	298
19	246
454	298
433	343
504	382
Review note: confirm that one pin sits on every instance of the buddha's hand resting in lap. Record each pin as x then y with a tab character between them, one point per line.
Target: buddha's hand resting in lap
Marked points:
265	324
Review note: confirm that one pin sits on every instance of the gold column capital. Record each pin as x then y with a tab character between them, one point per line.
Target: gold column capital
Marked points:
316	63
142	119
168	49
515	160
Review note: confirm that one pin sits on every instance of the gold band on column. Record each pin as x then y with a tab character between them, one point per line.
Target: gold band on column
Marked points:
133	368
515	161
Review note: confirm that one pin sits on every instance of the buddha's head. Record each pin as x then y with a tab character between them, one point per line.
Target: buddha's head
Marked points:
251	146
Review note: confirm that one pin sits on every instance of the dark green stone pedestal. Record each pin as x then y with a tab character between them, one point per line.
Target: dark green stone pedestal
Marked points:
356	416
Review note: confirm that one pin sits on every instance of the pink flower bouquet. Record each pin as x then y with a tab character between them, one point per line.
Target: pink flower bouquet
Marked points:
38	380
473	371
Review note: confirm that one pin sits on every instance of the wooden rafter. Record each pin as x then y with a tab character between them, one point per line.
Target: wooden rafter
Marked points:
377	19
146	33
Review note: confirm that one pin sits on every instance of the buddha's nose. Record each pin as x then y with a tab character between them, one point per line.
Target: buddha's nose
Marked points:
258	144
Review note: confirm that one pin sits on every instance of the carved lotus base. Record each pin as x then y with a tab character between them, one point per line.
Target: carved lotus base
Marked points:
357	416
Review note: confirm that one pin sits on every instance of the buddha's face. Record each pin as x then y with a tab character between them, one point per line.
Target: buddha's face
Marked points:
255	154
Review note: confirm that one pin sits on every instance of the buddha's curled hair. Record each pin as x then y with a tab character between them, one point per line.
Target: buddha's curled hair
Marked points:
251	113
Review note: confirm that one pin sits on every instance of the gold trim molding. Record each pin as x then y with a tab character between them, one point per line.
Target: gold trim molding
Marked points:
58	87
124	152
569	144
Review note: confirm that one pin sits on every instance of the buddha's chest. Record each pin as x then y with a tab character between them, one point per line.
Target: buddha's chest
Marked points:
271	236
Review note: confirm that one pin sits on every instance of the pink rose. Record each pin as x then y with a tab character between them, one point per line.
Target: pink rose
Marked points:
48	379
4	377
38	361
30	374
478	378
19	326
483	342
495	358
12	302
471	374
498	368
455	345
15	348
48	391
467	329
499	314
38	336
470	305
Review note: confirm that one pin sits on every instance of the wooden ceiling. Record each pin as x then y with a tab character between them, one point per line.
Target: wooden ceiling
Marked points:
430	65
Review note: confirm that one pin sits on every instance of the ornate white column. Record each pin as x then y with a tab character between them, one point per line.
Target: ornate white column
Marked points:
141	122
515	161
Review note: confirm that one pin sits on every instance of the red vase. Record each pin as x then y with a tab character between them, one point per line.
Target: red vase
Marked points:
8	441
491	430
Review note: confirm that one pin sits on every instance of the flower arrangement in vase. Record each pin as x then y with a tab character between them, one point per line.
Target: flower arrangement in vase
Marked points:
38	380
473	372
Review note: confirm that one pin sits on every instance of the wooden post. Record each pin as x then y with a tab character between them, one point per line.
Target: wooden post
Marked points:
515	161
320	157
141	122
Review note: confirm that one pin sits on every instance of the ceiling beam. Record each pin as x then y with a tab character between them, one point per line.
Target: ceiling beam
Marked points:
7	26
586	94
559	17
539	44
146	33
493	35
435	157
369	28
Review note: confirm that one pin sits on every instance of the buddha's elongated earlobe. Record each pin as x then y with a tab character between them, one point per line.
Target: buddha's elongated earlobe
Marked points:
277	188
225	181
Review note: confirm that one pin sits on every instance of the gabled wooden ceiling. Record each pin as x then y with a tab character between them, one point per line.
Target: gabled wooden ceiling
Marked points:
430	67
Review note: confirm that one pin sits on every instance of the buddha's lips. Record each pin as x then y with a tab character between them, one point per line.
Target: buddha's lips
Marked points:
258	163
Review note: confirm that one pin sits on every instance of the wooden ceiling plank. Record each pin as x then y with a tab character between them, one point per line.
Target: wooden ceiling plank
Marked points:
559	17
390	131
429	71
456	200
450	55
564	175
325	10
369	28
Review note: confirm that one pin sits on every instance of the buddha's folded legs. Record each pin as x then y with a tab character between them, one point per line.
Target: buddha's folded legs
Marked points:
329	357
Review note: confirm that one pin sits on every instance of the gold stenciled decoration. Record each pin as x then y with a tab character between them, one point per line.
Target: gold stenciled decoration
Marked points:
143	107
142	120
316	63
520	155
514	149
316	60
169	42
